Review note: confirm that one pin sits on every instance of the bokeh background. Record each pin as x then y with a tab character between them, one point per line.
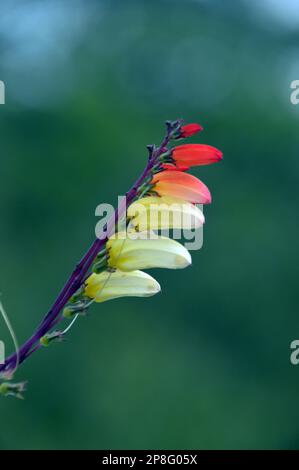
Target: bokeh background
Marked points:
205	365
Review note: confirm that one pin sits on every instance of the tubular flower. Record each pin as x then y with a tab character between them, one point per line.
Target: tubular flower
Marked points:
111	285
182	186
154	213
195	154
190	129
146	250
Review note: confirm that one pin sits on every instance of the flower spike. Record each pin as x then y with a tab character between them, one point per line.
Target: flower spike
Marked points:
163	197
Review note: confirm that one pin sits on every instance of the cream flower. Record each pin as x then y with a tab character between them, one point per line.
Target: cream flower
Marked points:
110	285
153	213
146	250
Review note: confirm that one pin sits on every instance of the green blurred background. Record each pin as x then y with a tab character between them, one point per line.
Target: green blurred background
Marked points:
206	364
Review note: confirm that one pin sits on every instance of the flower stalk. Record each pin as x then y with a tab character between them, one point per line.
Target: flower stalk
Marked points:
76	279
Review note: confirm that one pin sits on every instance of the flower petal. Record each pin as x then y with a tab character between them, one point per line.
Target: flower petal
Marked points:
146	250
154	213
171	167
190	129
196	154
182	186
111	285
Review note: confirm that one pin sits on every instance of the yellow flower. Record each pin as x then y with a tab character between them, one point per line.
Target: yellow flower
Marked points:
146	250
110	285
154	213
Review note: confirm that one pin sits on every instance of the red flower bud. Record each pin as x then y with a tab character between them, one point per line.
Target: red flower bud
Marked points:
190	129
196	154
170	167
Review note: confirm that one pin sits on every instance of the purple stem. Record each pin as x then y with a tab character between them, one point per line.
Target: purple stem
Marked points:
78	275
